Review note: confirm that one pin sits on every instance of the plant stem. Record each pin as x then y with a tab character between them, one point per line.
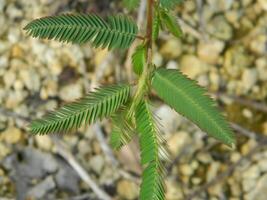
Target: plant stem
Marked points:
143	82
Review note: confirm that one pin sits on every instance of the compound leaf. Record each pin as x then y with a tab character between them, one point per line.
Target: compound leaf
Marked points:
171	24
95	105
152	186
190	100
123	131
139	59
117	32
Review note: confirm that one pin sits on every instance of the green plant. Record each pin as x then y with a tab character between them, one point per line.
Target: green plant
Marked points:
128	105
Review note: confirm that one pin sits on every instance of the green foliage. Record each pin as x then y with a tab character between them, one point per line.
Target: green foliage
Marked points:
190	100
168	4
152	186
95	105
130	113
131	4
171	23
156	25
118	32
139	59
122	131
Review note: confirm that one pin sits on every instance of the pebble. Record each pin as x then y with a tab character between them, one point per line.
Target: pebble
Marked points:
127	190
177	142
42	188
259	190
169	119
43	142
210	51
11	135
171	49
192	66
97	163
220	28
71	92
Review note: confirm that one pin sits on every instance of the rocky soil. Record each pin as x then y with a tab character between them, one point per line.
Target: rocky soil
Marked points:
224	48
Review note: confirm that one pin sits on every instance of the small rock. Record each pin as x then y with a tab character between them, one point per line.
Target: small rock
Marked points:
259	190
71	92
173	191
4	151
127	190
97	163
209	52
192	66
263	4
249	78
186	169
261	65
41	189
67	179
177	142
169	119
171	49
252	172
12	135
43	142
220	28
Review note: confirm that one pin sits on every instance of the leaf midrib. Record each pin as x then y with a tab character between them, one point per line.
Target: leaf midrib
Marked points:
194	103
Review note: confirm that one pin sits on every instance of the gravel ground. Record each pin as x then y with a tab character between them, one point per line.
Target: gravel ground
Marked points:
224	48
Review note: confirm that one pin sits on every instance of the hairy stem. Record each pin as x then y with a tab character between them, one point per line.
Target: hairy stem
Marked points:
144	80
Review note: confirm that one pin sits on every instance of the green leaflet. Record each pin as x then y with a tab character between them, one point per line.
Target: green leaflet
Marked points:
190	100
95	105
152	186
156	26
118	32
139	59
171	23
168	4
131	4
123	131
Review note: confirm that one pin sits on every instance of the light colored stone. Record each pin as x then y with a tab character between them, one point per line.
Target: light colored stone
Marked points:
220	28
249	78
209	52
11	135
261	65
43	142
4	151
127	190
263	4
97	163
173	191
259	190
71	92
252	172
177	142
192	66
169	119
171	49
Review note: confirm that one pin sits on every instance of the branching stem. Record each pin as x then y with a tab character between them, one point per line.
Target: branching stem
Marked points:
144	80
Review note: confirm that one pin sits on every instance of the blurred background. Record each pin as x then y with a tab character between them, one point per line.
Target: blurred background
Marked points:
224	48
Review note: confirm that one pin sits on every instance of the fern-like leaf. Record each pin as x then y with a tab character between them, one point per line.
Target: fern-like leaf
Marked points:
152	187
123	131
190	100
156	25
171	23
96	105
139	59
168	4
117	32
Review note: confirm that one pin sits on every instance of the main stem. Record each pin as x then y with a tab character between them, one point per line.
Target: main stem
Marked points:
143	82
150	4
